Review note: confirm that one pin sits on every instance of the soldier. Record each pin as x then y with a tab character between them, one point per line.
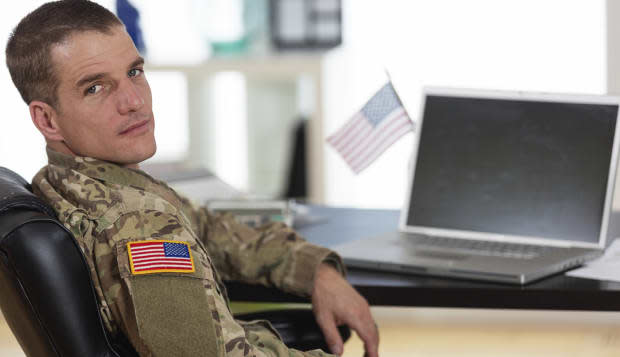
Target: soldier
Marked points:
156	260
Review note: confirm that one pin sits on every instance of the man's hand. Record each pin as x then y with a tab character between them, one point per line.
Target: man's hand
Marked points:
335	302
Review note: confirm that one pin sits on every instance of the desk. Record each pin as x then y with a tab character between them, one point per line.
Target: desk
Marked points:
341	225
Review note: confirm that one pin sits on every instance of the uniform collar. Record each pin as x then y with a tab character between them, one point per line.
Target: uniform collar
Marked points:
113	173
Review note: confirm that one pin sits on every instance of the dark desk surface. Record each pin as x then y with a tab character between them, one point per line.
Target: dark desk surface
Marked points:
338	225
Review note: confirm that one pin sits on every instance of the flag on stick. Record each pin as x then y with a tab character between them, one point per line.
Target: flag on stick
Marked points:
372	130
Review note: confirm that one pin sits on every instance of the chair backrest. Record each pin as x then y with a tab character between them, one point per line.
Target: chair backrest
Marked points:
46	294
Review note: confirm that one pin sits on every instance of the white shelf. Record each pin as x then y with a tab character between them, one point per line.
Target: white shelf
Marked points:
268	67
265	75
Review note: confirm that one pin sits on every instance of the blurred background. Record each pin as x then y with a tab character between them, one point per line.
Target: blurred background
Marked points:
233	80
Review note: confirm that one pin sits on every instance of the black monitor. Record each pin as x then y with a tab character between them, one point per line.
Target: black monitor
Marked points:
516	167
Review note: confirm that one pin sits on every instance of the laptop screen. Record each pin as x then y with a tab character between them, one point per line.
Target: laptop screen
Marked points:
514	167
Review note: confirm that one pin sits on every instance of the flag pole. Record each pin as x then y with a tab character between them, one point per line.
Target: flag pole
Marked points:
387	73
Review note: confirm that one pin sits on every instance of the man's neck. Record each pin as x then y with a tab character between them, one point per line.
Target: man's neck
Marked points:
62	148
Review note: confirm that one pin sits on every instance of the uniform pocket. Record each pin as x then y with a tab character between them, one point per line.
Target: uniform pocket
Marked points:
260	327
165	283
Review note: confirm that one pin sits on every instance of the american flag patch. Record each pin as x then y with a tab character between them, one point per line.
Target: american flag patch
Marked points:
160	256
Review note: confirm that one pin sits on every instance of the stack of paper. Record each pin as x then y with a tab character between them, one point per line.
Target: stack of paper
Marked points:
606	267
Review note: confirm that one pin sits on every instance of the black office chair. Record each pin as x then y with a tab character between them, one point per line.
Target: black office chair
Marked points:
47	296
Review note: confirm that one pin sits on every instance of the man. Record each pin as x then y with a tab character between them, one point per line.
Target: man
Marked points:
156	260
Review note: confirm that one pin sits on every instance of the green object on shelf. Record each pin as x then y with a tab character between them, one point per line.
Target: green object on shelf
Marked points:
234	27
230	47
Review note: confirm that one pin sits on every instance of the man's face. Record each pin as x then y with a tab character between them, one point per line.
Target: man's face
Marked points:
104	106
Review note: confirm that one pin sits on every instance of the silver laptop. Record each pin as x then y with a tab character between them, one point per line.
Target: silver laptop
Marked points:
507	187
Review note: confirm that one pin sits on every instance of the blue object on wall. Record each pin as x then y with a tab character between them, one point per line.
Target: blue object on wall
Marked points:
131	18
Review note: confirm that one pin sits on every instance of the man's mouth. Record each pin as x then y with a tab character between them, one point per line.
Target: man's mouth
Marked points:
135	127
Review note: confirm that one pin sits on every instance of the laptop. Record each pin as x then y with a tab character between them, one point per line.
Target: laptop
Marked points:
503	186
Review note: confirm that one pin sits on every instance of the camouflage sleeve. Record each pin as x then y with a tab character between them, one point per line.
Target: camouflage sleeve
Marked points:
272	255
177	313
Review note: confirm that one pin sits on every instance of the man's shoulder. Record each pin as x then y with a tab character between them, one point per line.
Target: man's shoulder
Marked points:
67	189
63	179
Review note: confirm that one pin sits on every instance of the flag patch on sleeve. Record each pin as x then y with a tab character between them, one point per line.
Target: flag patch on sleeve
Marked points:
160	256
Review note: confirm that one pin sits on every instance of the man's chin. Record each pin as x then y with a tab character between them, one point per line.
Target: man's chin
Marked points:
137	158
143	158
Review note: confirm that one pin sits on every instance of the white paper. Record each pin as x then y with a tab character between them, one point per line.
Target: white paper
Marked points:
204	189
607	267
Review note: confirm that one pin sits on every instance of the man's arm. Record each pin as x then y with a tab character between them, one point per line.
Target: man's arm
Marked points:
174	312
276	255
272	255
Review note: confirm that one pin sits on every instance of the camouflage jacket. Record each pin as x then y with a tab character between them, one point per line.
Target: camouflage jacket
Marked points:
111	210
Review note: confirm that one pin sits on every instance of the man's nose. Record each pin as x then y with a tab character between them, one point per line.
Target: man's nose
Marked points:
129	97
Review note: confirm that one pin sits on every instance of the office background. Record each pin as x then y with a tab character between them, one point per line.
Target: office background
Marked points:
550	45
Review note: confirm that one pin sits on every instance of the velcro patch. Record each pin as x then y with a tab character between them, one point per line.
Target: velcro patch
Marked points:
160	256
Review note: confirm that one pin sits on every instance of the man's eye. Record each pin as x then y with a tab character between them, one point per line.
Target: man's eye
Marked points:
134	72
94	89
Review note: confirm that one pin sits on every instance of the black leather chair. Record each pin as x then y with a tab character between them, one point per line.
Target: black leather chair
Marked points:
47	296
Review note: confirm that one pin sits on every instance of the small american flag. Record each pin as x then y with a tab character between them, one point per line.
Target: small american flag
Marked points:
157	256
372	130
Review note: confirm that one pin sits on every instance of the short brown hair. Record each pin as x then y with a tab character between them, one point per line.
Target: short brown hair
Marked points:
28	51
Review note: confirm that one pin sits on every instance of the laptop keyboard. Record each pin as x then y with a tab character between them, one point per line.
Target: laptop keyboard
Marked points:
484	248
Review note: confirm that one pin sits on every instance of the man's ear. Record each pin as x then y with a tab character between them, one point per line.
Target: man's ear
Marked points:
45	118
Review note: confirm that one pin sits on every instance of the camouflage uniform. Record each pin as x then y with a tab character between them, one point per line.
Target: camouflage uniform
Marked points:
167	314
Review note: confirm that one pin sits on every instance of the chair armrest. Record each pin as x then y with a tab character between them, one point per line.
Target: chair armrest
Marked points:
297	327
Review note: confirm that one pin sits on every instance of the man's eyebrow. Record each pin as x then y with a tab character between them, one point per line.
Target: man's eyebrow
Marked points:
94	77
89	79
138	62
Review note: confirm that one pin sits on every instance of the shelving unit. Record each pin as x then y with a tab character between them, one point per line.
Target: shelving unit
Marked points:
280	88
